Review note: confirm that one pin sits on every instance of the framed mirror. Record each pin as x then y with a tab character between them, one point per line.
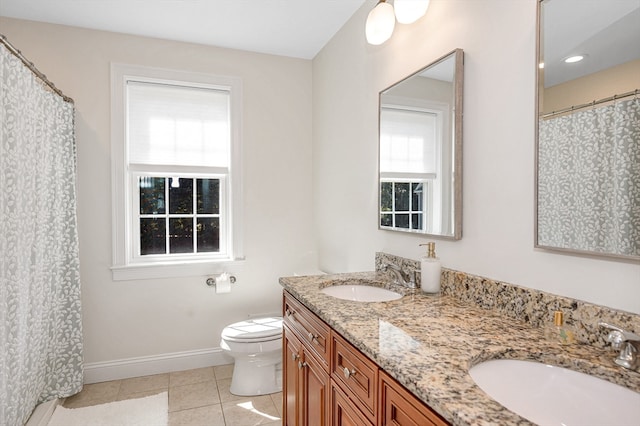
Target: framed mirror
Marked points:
588	132
420	151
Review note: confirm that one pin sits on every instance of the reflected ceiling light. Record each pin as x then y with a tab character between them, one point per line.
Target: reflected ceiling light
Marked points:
380	23
409	11
574	58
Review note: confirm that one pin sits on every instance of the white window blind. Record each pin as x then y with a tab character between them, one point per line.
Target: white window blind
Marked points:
408	141
178	125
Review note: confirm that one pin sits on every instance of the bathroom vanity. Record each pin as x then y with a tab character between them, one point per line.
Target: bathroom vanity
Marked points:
407	361
329	381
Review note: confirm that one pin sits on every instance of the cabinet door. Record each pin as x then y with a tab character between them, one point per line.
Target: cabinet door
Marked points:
398	407
343	411
316	392
292	387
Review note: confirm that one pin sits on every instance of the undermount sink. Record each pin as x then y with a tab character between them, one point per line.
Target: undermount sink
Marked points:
549	395
361	293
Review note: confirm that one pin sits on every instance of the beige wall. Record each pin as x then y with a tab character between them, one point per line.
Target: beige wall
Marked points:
613	81
288	179
498	37
126	319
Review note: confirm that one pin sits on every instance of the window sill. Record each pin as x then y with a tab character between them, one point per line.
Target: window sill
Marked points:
172	269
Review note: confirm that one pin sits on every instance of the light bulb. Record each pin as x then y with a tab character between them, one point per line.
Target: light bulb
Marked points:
574	59
380	23
409	11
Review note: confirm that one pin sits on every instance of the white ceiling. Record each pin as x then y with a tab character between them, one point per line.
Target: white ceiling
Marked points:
295	28
608	32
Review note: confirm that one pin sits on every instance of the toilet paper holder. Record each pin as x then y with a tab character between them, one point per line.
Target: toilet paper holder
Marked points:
211	281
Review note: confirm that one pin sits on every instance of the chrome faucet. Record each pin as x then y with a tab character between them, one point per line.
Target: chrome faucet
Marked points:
628	343
402	277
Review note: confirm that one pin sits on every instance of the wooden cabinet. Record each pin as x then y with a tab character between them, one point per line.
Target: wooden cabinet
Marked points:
306	382
328	381
343	412
308	327
356	374
291	382
399	407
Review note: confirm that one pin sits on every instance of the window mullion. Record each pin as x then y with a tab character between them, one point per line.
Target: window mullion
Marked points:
167	203
393	203
194	221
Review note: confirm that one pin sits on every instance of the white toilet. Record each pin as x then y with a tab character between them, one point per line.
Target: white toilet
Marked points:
256	346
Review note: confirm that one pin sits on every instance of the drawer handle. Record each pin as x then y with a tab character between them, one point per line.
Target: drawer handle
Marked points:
348	373
289	314
301	365
294	356
314	338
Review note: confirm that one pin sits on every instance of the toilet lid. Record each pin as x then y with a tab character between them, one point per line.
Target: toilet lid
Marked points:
257	329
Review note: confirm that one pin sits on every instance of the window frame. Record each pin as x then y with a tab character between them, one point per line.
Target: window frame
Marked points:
125	264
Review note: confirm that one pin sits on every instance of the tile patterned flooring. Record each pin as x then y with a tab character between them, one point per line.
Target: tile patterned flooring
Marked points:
197	397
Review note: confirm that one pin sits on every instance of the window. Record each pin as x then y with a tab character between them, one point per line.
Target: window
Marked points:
176	174
410	166
402	204
178	215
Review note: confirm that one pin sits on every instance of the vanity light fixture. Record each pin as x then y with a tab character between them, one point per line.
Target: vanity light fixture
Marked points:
381	20
380	23
409	11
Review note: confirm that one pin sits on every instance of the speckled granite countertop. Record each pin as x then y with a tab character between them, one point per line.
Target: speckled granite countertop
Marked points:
428	343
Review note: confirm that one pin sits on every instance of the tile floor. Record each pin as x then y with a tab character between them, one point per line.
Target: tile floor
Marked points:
198	397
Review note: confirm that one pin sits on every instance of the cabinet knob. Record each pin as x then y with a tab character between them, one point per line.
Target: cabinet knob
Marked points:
301	365
348	373
294	356
314	338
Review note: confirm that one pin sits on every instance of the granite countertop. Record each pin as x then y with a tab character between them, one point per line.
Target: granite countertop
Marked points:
428	343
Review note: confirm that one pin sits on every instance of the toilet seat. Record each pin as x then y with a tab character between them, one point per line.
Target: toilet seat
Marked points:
254	330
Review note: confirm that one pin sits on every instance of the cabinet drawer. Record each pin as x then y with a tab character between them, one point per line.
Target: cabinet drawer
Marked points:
399	407
309	328
356	374
343	412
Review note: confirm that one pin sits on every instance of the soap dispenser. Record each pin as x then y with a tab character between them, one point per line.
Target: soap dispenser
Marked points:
559	331
430	270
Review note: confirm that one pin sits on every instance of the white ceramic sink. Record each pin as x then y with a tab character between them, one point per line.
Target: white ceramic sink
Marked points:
361	293
549	395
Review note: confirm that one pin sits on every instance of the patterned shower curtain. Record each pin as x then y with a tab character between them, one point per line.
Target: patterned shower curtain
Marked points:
589	179
40	318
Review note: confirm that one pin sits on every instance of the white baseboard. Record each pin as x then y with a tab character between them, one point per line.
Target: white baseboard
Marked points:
42	413
156	364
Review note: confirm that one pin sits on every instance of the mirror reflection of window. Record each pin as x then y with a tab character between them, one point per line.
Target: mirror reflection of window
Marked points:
410	162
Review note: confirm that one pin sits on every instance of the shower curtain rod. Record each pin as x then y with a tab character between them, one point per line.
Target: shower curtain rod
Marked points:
593	103
32	67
